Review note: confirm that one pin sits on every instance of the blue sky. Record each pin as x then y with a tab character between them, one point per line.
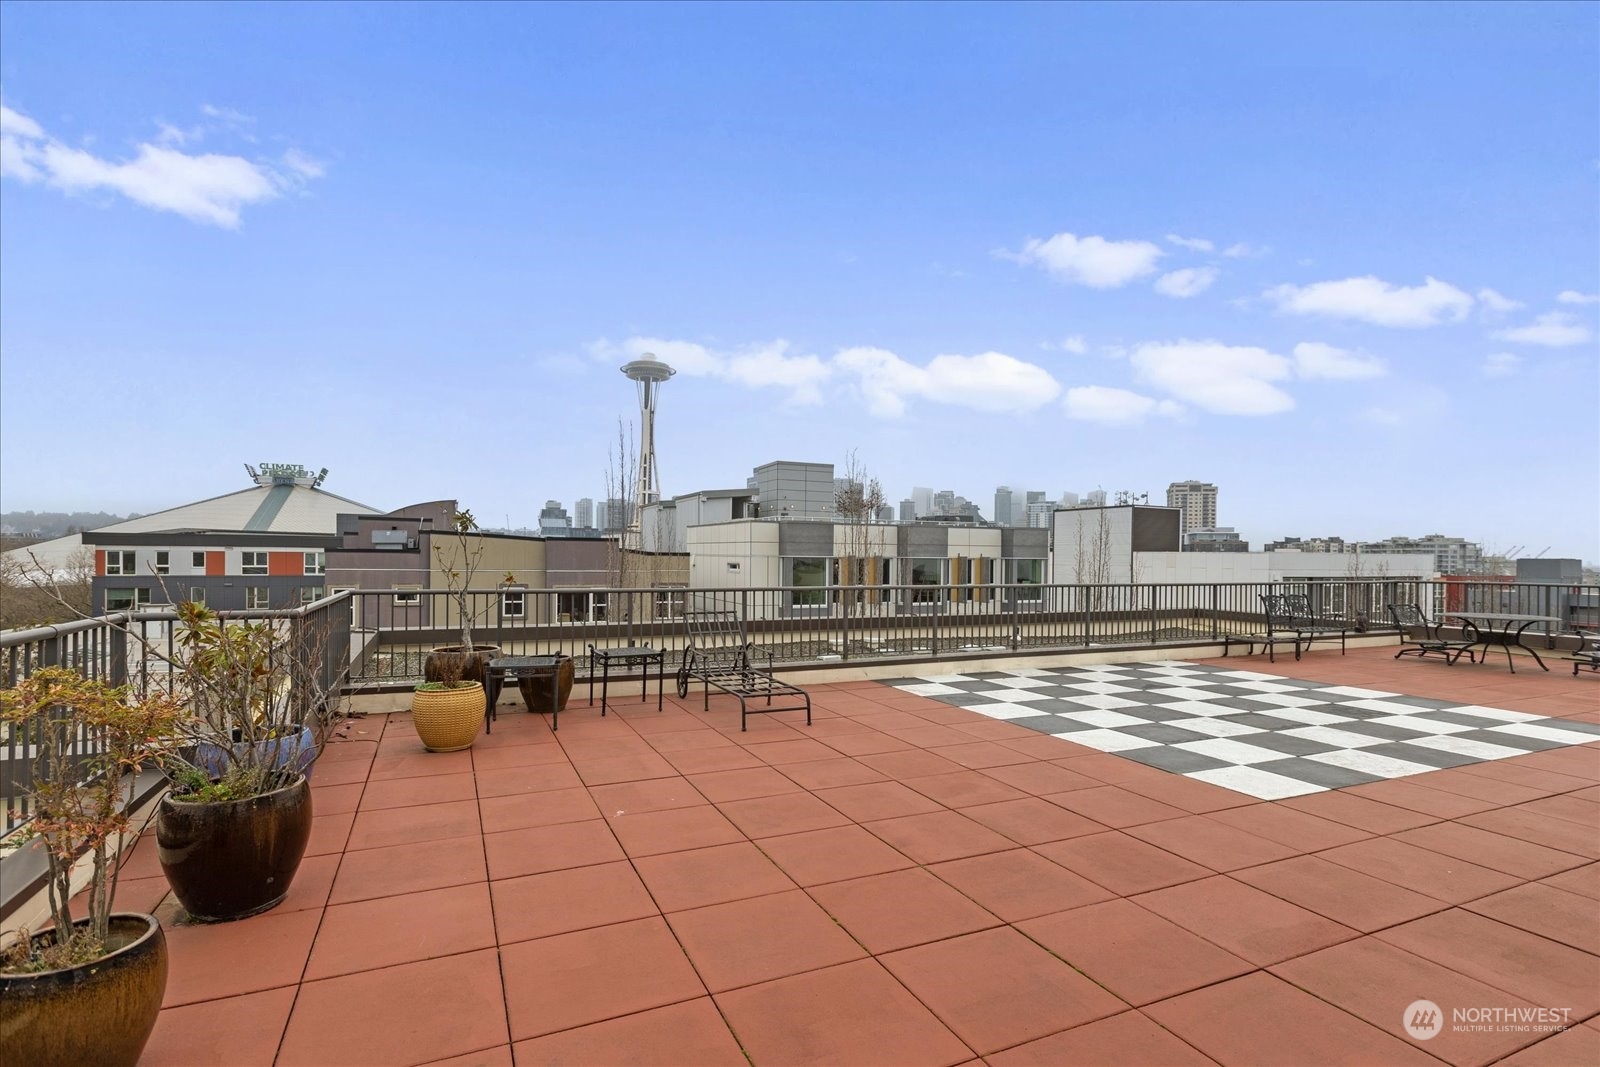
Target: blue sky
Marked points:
1340	260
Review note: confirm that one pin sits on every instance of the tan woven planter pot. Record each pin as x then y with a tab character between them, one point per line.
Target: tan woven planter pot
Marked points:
448	720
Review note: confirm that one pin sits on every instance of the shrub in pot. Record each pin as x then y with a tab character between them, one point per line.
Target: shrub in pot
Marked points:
85	991
447	709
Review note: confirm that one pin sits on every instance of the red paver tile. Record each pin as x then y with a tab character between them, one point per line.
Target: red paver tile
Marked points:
867	743
996	988
204	958
1376	981
412	792
1114	806
1579	838
1042	779
398	869
832	855
681	880
522	812
1018	884
1263	1021
1523	964
559	902
700	760
143	861
1349	897
901	908
743	784
626	769
310	888
653	794
674	830
411	1013
904	766
499	1056
1518	773
1190	794
688	1033
532	778
1127	1040
696	737
241	1031
485	758
1570	806
876	800
398	826
1584	881
1480	788
1488	849
799	750
984	754
1290	826
744	942
1123	864
966	788
1369	815
1216	845
336	799
1031	821
855	1013
389	930
1138	955
550	848
420	764
1439	876
1418	796
329	833
787	813
1575	1047
1242	919
1113	770
940	835
830	773
599	974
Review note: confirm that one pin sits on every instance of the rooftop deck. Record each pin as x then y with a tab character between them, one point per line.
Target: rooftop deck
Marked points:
905	882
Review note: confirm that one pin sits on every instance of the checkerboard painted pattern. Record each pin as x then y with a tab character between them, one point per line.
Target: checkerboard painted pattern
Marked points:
1260	734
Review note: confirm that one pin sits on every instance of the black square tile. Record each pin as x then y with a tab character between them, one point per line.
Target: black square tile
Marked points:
1324	774
1287	744
1384	730
1264	722
1527	744
1428	757
1177	760
1167	735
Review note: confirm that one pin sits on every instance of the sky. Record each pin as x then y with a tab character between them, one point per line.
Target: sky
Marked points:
1341	260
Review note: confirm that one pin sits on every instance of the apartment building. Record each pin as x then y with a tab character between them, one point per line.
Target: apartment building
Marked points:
1197	501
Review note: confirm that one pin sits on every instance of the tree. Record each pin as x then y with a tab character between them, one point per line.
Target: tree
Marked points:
459	554
856	504
622	486
32	593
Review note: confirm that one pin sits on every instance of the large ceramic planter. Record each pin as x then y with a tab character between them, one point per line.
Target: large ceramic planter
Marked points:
548	691
448	720
99	1013
236	858
450	661
298	750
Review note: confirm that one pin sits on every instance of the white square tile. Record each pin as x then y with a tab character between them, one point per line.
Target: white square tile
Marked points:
1181	692
1004	710
1307	716
1217	727
929	689
1326	735
1287	700
1466	746
1388	706
1200	707
1372	763
1248	676
1422	723
1093	700
1545	733
1230	751
1495	713
1009	682
947	678
1098	717
1010	695
1254	782
1107	740
1099	687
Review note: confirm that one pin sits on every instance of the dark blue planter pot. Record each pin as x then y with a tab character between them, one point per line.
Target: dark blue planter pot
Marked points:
299	752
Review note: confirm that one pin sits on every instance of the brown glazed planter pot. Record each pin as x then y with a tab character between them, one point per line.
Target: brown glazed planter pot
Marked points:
234	859
471	671
100	1013
547	694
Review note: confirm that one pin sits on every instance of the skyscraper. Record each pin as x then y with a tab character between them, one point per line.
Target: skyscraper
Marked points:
1198	501
583	514
1002	505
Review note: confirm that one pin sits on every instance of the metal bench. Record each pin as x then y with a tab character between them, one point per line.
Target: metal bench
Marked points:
1419	637
720	655
1587	653
1291	613
1250	641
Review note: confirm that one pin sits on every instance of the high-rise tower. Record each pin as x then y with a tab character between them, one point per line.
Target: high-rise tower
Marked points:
648	372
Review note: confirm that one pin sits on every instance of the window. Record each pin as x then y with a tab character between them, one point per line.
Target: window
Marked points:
1027	571
809	576
669	603
199	560
253	563
163	562
310	593
316	563
407	595
256	596
126	599
120	563
197	594
513	603
926	572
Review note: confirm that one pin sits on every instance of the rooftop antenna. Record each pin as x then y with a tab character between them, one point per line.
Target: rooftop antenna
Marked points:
648	372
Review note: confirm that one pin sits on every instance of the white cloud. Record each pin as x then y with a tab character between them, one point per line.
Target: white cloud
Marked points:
990	381
1091	261
1572	296
1313	359
1198	244
1073	344
1190	281
209	188
1244	251
1558	329
1493	301
758	366
303	165
1224	379
1099	403
1370	299
227	114
1501	365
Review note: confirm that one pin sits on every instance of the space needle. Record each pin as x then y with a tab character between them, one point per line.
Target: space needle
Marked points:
648	372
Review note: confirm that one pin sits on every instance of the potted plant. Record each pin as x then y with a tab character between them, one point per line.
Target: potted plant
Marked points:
447	709
234	827
88	990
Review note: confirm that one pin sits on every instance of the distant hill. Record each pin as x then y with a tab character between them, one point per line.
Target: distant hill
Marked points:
46	524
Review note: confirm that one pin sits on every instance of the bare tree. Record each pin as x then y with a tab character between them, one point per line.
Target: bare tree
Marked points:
33	593
856	503
622	486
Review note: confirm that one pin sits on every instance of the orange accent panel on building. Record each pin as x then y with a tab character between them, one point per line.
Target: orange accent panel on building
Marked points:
216	563
100	562
286	564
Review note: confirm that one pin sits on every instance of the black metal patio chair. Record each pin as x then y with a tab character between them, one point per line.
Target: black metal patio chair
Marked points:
1292	613
1419	637
1587	653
